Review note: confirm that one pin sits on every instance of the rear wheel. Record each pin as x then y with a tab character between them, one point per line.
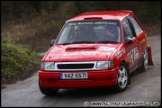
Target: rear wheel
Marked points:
144	61
47	91
123	77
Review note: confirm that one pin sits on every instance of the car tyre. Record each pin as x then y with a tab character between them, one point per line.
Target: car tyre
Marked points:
122	78
144	66
47	91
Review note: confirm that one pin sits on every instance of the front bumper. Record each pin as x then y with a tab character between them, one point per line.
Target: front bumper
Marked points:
96	78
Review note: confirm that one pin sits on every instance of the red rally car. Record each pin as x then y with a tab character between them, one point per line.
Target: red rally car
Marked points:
95	49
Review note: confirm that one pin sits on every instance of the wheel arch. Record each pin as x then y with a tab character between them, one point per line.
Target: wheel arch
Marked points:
123	61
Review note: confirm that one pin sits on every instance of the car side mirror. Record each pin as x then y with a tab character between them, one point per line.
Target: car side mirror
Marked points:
52	42
128	41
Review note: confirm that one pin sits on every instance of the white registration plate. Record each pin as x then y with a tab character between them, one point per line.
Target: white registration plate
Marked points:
78	75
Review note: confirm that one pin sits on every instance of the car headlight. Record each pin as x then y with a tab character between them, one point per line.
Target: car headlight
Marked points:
48	65
105	64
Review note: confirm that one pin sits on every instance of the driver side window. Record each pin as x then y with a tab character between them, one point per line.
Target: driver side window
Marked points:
127	30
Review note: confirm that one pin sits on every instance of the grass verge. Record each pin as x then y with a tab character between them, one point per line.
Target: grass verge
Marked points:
17	62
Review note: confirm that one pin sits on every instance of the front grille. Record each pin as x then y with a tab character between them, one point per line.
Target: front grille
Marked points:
75	66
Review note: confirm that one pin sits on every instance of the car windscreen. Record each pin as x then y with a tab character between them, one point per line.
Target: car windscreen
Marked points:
90	32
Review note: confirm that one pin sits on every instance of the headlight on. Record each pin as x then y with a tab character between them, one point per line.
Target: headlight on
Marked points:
48	65
105	64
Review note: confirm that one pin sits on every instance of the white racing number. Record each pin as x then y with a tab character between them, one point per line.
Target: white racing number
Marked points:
133	55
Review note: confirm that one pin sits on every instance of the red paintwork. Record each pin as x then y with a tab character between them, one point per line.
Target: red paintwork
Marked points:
96	78
92	52
115	15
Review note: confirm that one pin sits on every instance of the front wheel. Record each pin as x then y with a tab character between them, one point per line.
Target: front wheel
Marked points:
123	77
47	91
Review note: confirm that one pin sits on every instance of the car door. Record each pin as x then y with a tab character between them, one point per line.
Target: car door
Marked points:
140	35
132	49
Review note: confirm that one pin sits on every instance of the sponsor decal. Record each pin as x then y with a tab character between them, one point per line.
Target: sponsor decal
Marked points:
81	53
92	23
106	49
133	55
142	41
120	53
131	47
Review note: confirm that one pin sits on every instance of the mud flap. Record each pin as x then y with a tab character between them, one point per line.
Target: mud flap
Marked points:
150	62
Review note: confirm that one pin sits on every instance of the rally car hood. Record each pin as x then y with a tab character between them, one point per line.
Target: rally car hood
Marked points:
80	52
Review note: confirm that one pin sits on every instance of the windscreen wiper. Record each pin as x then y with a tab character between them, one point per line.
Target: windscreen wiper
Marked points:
66	43
105	41
78	42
